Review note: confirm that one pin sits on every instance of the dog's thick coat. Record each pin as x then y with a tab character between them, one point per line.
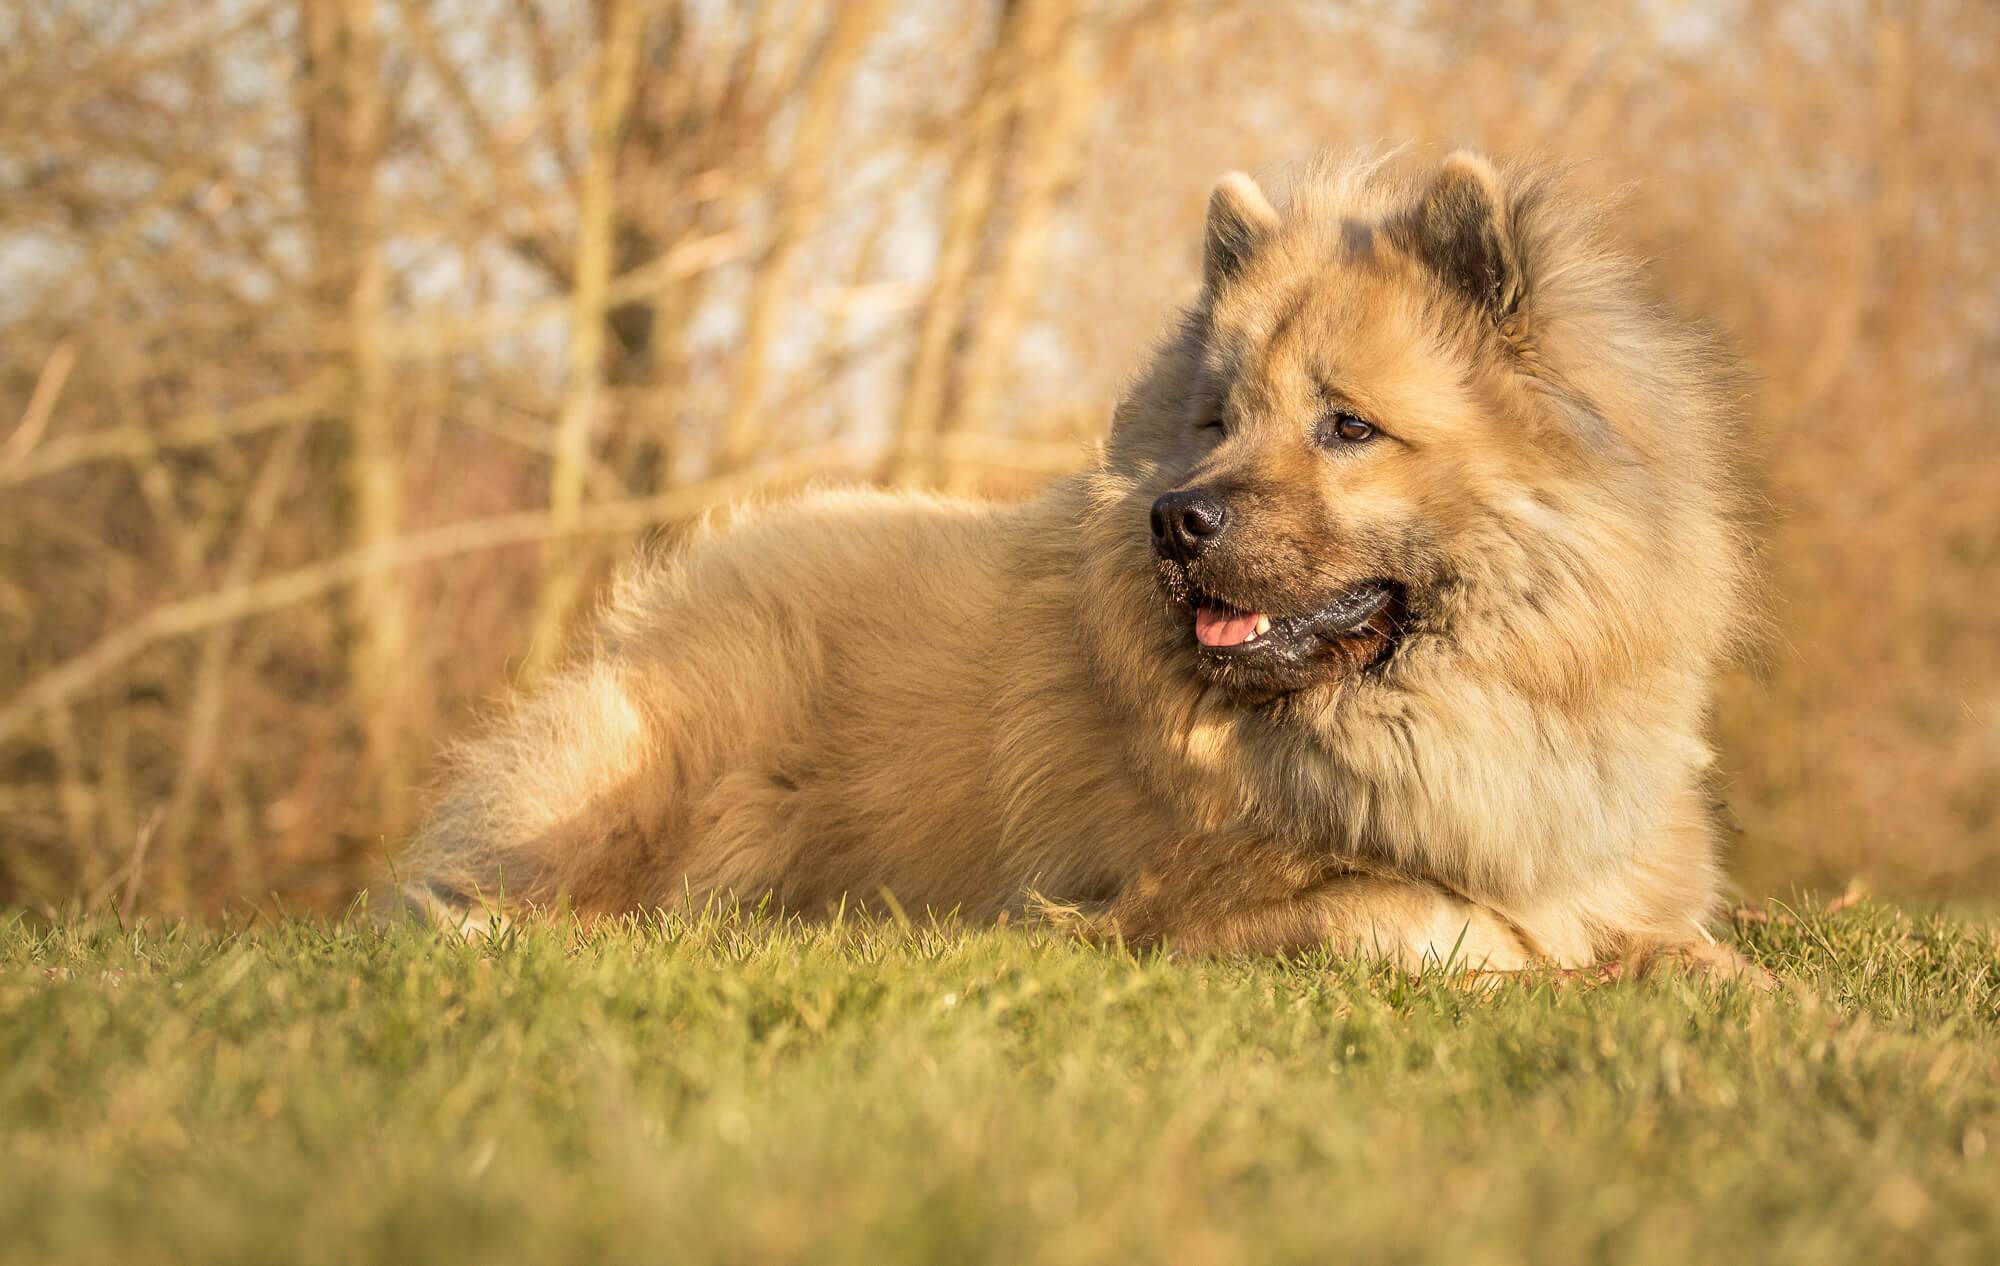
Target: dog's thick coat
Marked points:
965	704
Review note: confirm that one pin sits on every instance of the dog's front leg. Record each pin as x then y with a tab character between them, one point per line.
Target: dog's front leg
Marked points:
1254	897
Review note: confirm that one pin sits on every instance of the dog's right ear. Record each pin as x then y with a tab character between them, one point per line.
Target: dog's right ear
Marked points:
1240	217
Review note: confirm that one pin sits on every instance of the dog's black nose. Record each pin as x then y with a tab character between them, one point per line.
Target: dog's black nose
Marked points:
1186	523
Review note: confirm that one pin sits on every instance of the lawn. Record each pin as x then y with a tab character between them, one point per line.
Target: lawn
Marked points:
730	1090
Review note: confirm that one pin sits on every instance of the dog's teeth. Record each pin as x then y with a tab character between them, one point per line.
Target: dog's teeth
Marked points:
1263	626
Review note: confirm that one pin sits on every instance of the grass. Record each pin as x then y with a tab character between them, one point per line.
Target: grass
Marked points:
732	1091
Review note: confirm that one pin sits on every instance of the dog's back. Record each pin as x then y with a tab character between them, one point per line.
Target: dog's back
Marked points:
840	696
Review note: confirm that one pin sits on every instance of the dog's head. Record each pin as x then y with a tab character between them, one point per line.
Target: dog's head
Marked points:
1375	427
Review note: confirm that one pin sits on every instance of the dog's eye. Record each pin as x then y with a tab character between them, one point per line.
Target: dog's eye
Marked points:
1211	424
1346	428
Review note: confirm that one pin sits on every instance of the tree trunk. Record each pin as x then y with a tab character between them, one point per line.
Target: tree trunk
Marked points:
620	35
341	100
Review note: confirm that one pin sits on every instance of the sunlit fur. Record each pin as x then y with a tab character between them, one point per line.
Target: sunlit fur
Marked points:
965	704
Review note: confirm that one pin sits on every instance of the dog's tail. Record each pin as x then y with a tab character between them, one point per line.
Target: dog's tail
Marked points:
548	805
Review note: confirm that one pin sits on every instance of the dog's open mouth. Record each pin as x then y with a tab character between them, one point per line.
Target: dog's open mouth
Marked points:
1272	652
1227	630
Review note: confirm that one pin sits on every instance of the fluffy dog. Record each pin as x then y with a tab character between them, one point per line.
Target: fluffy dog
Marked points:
1387	617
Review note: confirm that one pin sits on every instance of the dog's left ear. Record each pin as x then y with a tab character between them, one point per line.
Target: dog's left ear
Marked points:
1459	228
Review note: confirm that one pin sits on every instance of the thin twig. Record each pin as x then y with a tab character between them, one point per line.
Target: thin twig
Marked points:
1053	105
796	194
969	202
127	876
133	443
604	518
205	714
41	406
287	589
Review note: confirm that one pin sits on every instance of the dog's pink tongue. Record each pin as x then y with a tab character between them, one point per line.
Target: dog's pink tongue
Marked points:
1223	628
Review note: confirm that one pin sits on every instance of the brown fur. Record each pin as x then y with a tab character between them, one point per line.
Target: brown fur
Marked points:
961	704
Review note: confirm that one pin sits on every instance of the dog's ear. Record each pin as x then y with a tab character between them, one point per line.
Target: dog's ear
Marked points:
1240	217
1459	229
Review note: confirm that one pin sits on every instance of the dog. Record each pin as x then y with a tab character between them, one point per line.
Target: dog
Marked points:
1387	617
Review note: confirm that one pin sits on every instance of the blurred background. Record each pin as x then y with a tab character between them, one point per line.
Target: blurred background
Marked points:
345	343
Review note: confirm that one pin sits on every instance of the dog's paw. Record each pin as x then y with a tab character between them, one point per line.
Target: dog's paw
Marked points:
1702	960
451	912
1089	922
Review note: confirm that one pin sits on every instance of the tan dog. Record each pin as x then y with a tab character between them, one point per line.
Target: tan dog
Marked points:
1387	618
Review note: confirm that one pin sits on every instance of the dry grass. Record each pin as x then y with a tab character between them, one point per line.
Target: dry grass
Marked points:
342	344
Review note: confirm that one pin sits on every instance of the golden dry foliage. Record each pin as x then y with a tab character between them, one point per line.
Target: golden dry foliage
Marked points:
343	343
